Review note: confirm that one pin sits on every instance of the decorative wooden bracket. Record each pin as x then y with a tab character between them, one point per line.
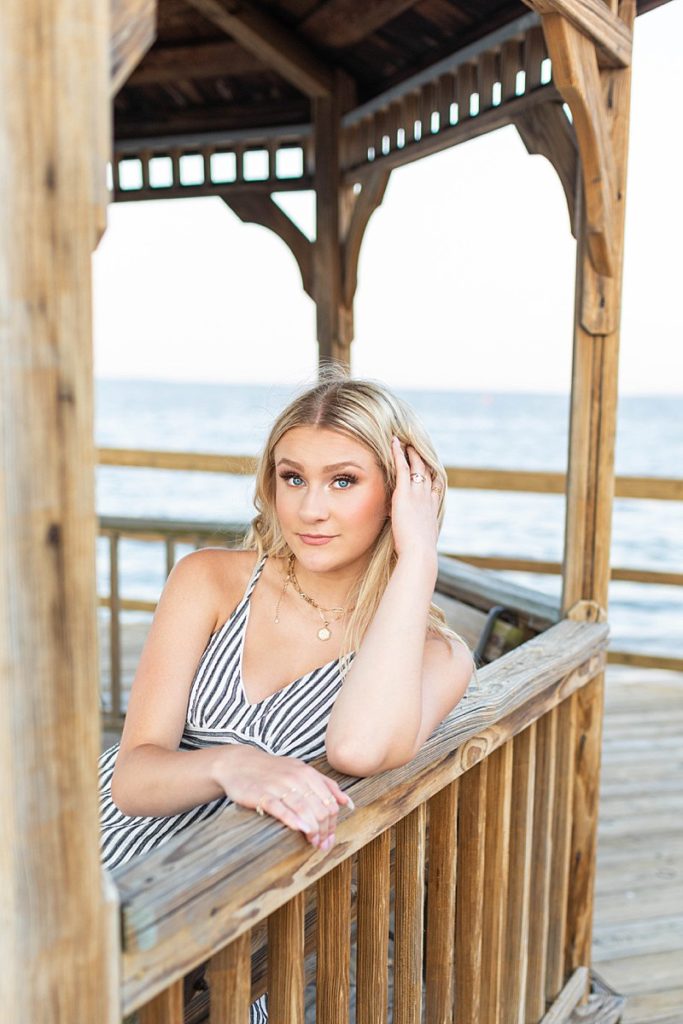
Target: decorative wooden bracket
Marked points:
546	131
133	30
597	21
364	205
577	76
255	208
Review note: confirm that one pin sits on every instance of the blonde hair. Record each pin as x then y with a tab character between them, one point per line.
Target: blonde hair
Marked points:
368	412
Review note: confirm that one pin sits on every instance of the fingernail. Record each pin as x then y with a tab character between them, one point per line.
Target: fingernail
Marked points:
350	803
327	843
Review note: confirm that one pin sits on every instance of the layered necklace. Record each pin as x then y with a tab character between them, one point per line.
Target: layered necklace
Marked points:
327	615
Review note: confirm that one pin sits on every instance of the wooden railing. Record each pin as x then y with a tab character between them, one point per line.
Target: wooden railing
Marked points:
460	858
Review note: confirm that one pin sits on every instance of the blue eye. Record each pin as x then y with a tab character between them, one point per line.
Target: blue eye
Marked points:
346	481
290	477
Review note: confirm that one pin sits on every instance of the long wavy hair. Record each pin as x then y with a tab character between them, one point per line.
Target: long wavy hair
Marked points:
368	412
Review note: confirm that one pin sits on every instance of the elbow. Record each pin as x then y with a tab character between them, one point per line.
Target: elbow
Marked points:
121	797
351	759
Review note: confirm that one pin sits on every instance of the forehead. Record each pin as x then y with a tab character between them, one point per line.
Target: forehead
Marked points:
319	446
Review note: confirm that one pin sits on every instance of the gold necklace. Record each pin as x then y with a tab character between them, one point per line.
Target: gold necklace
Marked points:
324	633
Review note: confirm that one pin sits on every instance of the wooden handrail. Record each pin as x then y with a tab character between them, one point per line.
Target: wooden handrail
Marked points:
188	899
461	477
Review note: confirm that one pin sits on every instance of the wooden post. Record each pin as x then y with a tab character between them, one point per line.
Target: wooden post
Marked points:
54	140
599	98
334	317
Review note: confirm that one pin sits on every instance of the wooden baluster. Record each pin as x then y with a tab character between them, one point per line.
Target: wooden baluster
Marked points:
286	963
440	951
510	64
380	121
333	967
166	1008
561	829
409	916
372	946
534	54
513	984
229	978
470	893
541	850
393	124
428	103
410	116
114	624
445	97
486	76
466	85
496	859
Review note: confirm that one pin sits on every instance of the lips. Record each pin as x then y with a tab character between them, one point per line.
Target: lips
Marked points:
315	538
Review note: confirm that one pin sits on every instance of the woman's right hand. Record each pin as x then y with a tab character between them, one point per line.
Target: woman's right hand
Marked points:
286	788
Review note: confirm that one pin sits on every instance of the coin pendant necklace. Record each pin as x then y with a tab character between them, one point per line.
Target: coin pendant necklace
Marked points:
327	615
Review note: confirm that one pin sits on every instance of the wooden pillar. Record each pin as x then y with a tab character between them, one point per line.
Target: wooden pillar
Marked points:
334	317
54	139
599	100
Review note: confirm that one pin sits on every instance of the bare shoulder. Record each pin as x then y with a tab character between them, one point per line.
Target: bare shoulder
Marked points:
216	576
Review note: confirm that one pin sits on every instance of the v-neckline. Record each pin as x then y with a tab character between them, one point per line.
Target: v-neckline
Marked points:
243	639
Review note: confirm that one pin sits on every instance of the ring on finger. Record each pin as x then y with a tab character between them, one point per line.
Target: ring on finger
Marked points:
417	478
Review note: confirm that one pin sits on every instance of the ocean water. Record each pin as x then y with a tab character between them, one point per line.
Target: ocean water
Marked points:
508	431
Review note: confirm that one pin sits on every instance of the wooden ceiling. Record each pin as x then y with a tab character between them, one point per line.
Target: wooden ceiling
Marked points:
197	78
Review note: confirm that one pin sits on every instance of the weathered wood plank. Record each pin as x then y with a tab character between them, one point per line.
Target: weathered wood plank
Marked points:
561	846
372	983
229	978
514	976
595	20
409	916
333	948
496	880
542	909
440	938
165	1008
573	991
286	963
469	918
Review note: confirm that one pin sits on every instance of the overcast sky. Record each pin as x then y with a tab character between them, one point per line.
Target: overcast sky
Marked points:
466	274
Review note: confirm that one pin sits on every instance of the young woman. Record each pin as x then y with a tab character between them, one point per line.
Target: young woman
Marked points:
319	638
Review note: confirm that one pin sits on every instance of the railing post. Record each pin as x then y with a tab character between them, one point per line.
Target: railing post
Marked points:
54	86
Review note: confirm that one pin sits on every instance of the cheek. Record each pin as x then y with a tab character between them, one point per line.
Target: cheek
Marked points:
371	507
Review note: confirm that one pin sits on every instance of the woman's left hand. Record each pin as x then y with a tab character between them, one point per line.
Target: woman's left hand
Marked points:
414	504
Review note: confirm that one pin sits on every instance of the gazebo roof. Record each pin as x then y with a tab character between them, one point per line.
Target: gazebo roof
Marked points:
202	76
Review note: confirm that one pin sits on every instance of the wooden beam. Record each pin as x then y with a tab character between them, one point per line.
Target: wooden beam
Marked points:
133	30
545	131
590	478
596	21
208	60
261	209
340	23
54	118
271	42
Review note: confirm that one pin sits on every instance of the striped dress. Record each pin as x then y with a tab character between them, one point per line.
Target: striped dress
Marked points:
291	722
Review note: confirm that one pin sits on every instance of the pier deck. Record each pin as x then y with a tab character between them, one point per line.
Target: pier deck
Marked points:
638	930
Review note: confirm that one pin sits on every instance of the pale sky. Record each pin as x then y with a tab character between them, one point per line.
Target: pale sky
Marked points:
466	274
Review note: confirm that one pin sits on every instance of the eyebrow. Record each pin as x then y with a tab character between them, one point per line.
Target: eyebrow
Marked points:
326	469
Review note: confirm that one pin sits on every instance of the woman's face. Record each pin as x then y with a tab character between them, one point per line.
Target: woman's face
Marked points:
330	498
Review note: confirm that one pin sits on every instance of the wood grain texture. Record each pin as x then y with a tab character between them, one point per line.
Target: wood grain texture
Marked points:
409	916
469	915
54	116
597	22
496	879
199	891
373	931
165	1008
261	209
333	948
133	30
229	978
440	935
514	977
286	963
542	909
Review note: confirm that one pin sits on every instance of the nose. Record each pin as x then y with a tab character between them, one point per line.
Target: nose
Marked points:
314	506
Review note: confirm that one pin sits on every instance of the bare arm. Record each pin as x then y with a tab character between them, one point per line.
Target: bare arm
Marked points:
401	683
152	776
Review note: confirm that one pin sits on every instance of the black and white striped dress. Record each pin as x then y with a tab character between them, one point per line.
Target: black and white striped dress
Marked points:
291	722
